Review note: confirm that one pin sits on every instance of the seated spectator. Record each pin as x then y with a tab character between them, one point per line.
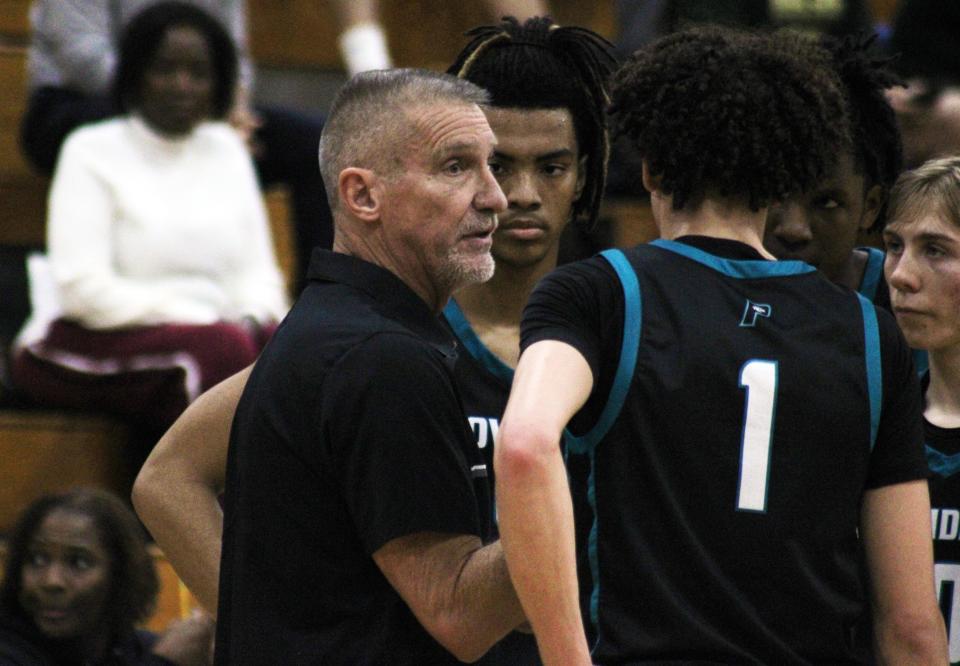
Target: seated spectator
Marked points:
159	246
78	580
73	56
923	271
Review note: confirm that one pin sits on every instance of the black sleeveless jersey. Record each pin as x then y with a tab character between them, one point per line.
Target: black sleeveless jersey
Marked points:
943	456
740	410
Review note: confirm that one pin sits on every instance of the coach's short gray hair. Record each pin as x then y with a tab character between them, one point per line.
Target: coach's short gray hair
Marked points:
364	123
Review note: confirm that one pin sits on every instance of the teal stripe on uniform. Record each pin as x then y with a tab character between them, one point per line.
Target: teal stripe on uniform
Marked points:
736	268
942	464
921	361
632	321
872	273
458	322
592	548
629	346
871	340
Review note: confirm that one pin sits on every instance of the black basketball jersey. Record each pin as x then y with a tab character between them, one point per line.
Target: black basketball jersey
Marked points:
484	384
739	416
483	381
943	456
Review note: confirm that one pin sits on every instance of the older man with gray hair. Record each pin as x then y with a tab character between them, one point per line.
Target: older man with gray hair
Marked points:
356	504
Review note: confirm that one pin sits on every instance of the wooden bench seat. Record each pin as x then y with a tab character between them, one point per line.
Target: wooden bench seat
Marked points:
50	451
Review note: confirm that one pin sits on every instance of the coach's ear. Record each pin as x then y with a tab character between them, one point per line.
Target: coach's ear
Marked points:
359	193
650	182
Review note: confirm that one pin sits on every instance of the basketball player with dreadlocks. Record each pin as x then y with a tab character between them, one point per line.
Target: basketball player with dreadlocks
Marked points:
754	416
547	112
820	226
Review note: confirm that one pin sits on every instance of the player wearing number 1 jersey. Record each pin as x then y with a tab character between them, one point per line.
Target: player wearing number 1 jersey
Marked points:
756	415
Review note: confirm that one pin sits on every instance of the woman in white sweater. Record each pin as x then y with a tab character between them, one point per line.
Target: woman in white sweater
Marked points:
158	240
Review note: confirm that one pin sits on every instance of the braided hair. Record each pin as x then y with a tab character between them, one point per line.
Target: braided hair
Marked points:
714	110
877	147
540	65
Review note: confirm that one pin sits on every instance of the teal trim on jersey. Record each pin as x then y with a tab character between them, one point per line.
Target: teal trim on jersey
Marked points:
592	550
942	464
868	289
458	322
632	321
871	339
871	273
587	443
921	361
737	268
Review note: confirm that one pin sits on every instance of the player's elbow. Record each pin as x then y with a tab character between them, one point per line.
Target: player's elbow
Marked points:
523	449
914	636
146	492
153	490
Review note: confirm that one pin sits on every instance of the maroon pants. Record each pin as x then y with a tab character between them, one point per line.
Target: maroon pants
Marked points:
145	375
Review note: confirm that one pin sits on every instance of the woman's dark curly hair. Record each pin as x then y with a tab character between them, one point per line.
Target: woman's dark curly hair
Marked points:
741	115
142	37
540	65
134	583
877	147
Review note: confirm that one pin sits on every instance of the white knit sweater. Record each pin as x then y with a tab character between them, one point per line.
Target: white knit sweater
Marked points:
145	230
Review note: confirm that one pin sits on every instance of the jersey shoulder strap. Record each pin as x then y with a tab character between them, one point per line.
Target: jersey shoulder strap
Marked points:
871	346
871	273
629	347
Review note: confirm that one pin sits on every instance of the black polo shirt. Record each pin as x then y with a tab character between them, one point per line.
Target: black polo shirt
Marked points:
349	434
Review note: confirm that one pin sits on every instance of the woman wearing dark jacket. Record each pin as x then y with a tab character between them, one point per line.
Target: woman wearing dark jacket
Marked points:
78	581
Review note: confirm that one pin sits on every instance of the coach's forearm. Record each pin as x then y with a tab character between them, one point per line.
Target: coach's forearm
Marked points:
487	604
459	590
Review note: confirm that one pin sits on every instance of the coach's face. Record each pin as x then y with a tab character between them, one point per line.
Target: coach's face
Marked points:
440	206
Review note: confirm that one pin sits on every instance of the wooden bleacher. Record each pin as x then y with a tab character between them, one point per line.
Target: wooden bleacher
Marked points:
48	451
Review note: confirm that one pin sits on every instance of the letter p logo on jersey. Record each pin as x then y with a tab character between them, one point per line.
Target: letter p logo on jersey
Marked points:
752	311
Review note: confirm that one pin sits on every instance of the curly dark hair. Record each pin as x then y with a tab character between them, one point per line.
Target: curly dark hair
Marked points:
142	37
739	114
877	146
134	585
540	65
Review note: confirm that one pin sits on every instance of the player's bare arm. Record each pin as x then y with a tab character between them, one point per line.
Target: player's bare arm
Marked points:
895	526
176	492
552	382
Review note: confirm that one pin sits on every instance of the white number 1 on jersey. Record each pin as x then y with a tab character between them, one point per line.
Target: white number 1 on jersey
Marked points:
760	380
